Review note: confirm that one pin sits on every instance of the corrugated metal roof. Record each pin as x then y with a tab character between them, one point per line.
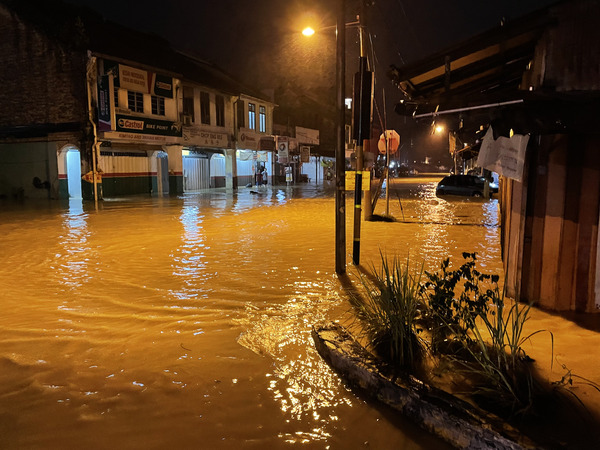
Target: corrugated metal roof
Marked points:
540	74
486	68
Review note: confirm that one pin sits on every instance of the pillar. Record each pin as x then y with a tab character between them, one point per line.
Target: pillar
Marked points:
231	179
175	157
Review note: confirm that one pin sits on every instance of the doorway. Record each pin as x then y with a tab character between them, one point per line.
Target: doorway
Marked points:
196	172
74	173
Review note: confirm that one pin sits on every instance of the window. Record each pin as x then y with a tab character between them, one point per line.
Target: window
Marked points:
241	114
252	116
220	110
158	105
205	108
135	101
262	119
116	96
188	102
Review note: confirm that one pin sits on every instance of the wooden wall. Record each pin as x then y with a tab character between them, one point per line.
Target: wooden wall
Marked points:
550	224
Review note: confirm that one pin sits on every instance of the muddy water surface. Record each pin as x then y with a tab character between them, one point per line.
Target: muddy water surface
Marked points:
185	322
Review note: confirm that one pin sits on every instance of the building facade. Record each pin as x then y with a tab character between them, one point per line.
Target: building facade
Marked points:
106	111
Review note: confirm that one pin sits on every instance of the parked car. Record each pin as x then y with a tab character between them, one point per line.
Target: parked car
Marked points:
467	185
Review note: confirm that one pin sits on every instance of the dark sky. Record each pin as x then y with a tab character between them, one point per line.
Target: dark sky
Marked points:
259	41
230	32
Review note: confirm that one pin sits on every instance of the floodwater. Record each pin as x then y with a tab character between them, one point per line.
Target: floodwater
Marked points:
185	322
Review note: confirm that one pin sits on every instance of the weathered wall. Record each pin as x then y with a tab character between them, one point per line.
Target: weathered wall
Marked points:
550	240
42	82
21	164
550	220
567	56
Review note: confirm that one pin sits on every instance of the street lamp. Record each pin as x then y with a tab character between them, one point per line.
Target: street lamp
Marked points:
308	31
340	156
362	132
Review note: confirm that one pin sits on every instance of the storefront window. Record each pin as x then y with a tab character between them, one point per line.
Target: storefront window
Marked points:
262	119
205	108
158	105
188	102
135	101
220	110
252	116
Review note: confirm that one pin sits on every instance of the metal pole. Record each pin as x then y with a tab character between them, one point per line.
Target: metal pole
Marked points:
340	159
357	203
362	134
469	108
90	75
387	174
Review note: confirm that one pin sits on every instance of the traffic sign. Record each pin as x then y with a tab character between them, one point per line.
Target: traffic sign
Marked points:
393	139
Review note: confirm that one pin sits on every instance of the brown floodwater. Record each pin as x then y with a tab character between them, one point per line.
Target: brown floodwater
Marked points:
185	322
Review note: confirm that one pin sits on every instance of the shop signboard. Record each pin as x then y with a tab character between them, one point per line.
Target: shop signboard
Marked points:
283	149
119	136
145	125
104	122
139	80
307	136
201	138
248	139
267	143
304	153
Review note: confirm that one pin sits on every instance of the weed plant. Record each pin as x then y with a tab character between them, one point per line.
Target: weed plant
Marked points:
490	339
502	373
474	333
389	312
451	318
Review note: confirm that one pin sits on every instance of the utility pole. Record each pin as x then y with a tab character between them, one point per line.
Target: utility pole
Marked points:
340	149
363	85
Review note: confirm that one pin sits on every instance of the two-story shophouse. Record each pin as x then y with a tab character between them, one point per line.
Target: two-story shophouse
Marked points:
98	110
227	130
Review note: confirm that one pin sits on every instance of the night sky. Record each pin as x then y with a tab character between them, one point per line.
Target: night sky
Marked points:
259	41
231	32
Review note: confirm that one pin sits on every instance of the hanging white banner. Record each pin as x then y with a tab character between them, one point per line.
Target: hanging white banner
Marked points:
245	155
506	156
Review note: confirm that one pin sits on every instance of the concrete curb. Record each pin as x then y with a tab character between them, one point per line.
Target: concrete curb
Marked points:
453	420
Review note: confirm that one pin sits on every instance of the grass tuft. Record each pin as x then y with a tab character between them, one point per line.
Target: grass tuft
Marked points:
389	312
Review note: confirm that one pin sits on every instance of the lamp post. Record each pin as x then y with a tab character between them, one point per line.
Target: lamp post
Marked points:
363	88
340	157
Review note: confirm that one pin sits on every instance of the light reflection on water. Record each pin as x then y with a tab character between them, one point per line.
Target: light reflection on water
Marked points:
188	258
185	322
73	259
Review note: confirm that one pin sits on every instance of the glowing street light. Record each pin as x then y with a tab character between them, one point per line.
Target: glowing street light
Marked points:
340	194
362	132
308	31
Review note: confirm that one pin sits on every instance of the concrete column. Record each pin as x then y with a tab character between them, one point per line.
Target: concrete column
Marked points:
175	156
231	179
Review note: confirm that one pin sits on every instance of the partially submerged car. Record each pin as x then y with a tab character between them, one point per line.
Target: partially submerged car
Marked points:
466	185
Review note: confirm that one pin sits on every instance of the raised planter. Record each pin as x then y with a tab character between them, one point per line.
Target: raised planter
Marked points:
453	420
